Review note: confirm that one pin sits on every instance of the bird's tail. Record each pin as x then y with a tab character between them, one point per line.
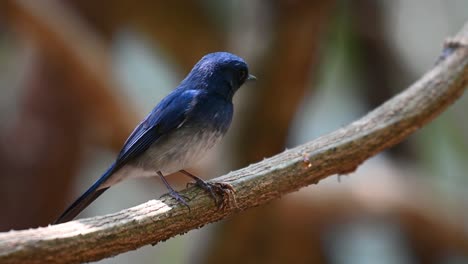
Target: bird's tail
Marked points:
86	198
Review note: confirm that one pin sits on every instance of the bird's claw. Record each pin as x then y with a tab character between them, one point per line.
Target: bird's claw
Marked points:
226	189
215	190
208	187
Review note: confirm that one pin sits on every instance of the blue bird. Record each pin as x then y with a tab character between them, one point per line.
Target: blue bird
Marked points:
178	131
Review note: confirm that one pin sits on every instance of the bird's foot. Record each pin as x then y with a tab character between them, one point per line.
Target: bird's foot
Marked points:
208	187
179	198
216	190
229	191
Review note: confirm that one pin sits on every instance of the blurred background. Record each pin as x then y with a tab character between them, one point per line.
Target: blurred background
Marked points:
76	76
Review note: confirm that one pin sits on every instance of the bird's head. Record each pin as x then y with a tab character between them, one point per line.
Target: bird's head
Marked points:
220	72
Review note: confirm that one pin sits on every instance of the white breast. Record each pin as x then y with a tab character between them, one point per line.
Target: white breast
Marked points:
180	150
186	151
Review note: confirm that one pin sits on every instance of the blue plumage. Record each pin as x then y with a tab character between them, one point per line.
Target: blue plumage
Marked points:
179	130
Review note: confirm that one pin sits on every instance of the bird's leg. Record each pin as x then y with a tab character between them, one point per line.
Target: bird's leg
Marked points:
202	184
172	192
212	188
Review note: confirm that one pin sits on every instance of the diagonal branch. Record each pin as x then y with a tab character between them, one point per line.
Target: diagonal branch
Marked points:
339	152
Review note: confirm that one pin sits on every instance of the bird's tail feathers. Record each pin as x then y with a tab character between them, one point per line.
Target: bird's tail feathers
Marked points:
86	198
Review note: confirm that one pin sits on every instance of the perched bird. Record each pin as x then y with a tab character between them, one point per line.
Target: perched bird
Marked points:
178	131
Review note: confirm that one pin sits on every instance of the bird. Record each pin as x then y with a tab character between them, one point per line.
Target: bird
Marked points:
179	130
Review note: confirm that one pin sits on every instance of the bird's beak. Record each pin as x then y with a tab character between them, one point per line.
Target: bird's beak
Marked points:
251	78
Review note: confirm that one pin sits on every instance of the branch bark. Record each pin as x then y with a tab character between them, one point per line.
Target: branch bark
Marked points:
339	152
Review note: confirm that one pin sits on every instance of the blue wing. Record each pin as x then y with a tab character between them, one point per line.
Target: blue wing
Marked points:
169	114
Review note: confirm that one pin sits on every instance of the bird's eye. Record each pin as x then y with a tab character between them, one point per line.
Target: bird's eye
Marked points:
242	74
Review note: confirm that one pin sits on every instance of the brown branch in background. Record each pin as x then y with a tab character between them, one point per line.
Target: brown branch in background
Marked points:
64	38
69	91
40	147
339	152
163	22
288	67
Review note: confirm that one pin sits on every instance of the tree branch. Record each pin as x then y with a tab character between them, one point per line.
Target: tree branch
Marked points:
339	152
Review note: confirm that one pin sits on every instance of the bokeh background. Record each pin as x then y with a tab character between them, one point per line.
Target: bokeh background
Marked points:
77	75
